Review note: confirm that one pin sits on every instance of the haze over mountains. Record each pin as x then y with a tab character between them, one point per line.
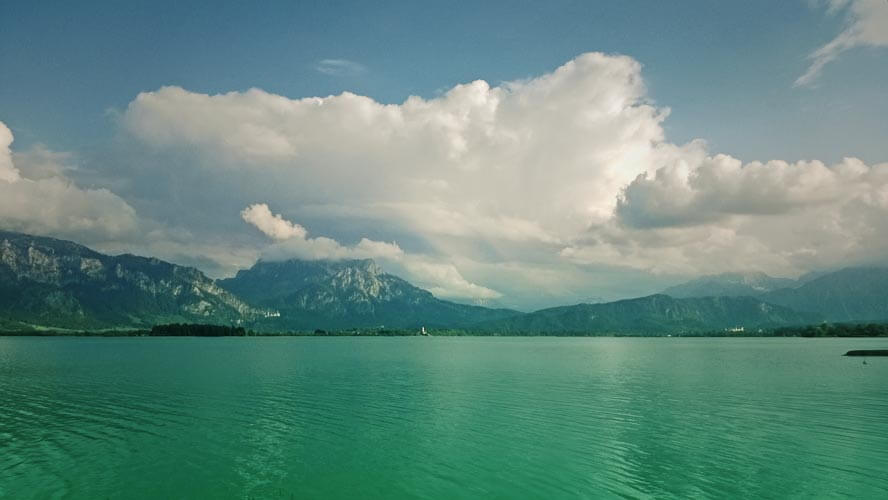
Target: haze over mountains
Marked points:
729	285
45	282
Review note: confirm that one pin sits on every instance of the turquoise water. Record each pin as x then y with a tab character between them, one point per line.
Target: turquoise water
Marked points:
441	418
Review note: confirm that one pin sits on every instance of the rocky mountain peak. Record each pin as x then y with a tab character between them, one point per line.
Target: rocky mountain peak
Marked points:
351	280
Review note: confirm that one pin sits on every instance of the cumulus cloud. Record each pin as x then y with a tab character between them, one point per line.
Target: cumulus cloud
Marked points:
49	203
866	26
720	214
548	152
559	184
292	240
721	186
340	67
274	226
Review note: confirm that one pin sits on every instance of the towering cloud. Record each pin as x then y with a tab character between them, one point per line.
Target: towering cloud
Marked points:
538	191
561	144
547	184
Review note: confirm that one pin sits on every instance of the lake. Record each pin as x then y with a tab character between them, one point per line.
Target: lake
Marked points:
416	417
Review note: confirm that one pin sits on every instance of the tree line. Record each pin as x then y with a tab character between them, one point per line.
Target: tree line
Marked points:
834	330
197	330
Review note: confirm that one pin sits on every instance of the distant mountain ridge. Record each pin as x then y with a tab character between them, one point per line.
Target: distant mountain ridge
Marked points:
653	315
850	294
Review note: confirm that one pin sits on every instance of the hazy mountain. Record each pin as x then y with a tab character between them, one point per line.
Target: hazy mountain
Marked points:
852	294
729	285
52	282
347	293
810	276
652	315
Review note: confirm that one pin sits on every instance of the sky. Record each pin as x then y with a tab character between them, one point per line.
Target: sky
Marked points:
523	154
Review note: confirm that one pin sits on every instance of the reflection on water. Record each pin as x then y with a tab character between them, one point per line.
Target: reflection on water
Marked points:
441	418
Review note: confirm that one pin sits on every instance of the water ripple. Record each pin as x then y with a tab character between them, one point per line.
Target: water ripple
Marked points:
440	418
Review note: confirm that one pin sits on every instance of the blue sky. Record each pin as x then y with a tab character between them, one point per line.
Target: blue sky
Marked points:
727	72
724	68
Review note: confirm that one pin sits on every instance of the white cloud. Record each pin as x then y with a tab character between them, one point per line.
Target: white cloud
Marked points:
720	186
55	206
340	67
322	247
8	172
292	241
866	26
274	226
444	280
718	215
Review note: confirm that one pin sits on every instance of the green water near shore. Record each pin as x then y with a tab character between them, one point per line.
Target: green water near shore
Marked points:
441	418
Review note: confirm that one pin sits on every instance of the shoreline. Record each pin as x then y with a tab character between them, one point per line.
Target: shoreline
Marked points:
822	330
86	334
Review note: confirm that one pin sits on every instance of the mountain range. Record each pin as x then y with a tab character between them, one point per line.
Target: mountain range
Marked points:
54	283
850	294
652	315
50	283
